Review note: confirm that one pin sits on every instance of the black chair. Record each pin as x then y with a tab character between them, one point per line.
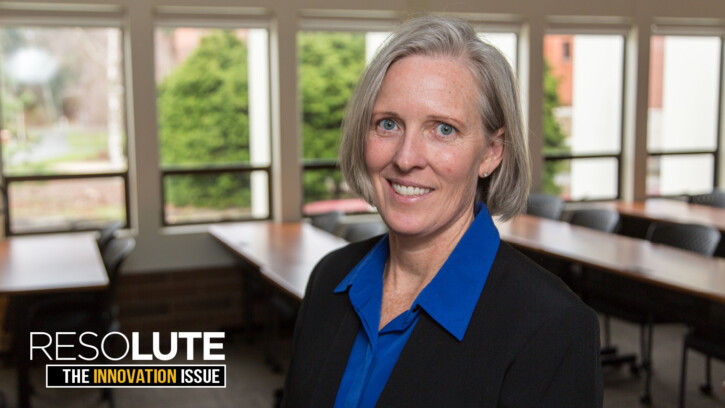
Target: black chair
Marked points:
328	221
633	302
707	337
545	206
364	230
692	237
714	199
107	233
696	238
711	343
78	312
604	220
595	218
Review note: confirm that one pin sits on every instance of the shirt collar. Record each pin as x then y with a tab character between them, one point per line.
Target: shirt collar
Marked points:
451	297
365	284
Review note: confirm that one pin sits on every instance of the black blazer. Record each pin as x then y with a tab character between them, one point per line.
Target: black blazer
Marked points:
530	343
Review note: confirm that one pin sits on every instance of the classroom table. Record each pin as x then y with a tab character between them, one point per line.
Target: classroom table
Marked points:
656	265
38	264
283	253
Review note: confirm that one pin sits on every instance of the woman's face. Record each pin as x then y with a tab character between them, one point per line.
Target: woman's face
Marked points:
426	146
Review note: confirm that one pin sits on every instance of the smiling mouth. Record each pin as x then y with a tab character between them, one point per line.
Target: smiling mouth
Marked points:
409	191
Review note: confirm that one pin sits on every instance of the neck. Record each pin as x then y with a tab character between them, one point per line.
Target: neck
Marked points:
415	260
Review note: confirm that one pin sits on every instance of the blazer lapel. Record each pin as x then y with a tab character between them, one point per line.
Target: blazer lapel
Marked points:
336	359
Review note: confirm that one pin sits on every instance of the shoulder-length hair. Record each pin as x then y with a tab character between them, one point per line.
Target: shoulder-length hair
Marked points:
506	188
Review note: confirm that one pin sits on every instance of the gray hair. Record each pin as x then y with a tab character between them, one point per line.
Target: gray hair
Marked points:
506	189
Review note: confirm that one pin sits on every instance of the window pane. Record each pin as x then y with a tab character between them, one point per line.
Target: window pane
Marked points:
506	43
61	100
205	96
583	94
65	204
582	179
683	93
330	64
680	174
197	198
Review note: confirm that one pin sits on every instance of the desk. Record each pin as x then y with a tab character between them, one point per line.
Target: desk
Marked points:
284	253
45	264
51	263
657	265
660	209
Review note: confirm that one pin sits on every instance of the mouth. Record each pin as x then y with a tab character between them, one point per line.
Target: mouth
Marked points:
409	191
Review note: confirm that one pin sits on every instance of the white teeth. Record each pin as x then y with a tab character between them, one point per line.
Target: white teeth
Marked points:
409	190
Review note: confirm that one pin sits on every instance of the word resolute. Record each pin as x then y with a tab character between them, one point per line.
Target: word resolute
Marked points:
88	347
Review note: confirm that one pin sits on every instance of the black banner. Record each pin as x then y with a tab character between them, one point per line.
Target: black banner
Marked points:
135	376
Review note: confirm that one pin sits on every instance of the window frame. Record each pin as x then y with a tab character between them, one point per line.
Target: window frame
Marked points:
668	27
92	16
615	27
214	18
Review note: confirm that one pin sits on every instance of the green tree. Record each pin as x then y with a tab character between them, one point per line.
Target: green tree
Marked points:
554	137
330	66
204	119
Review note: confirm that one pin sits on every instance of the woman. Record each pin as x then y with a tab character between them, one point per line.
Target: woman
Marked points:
439	312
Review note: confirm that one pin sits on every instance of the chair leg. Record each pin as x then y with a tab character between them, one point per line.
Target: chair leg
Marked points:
107	394
646	349
706	388
683	373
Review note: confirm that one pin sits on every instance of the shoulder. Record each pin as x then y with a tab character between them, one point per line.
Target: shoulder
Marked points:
529	284
525	294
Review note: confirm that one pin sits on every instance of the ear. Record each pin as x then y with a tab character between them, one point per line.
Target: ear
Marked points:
493	154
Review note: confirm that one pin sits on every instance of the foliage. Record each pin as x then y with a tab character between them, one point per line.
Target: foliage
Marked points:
330	65
204	118
554	137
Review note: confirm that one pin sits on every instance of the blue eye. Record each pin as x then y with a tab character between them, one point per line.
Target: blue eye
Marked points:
446	129
388	124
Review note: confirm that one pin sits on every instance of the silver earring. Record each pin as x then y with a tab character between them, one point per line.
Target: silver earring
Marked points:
485	174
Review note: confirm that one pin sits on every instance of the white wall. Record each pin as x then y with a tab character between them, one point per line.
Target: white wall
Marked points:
187	247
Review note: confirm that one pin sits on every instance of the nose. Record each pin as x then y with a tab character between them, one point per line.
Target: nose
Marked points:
411	153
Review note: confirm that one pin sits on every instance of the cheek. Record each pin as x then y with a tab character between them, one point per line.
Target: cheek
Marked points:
458	168
376	154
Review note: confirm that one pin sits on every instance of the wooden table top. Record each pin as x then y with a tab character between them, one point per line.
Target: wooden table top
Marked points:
662	209
656	264
285	253
51	263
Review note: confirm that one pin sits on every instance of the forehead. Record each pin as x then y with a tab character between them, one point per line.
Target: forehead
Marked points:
430	83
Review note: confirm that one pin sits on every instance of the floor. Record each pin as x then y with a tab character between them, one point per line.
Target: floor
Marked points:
252	384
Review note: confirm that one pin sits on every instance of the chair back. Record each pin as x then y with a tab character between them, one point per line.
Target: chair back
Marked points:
113	256
328	221
714	199
364	230
595	218
692	237
106	234
544	205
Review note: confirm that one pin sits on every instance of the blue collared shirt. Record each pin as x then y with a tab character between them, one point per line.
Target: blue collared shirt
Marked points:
449	299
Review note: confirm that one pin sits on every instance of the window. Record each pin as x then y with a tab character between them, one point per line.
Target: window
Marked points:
583	88
213	123
63	133
330	64
682	137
